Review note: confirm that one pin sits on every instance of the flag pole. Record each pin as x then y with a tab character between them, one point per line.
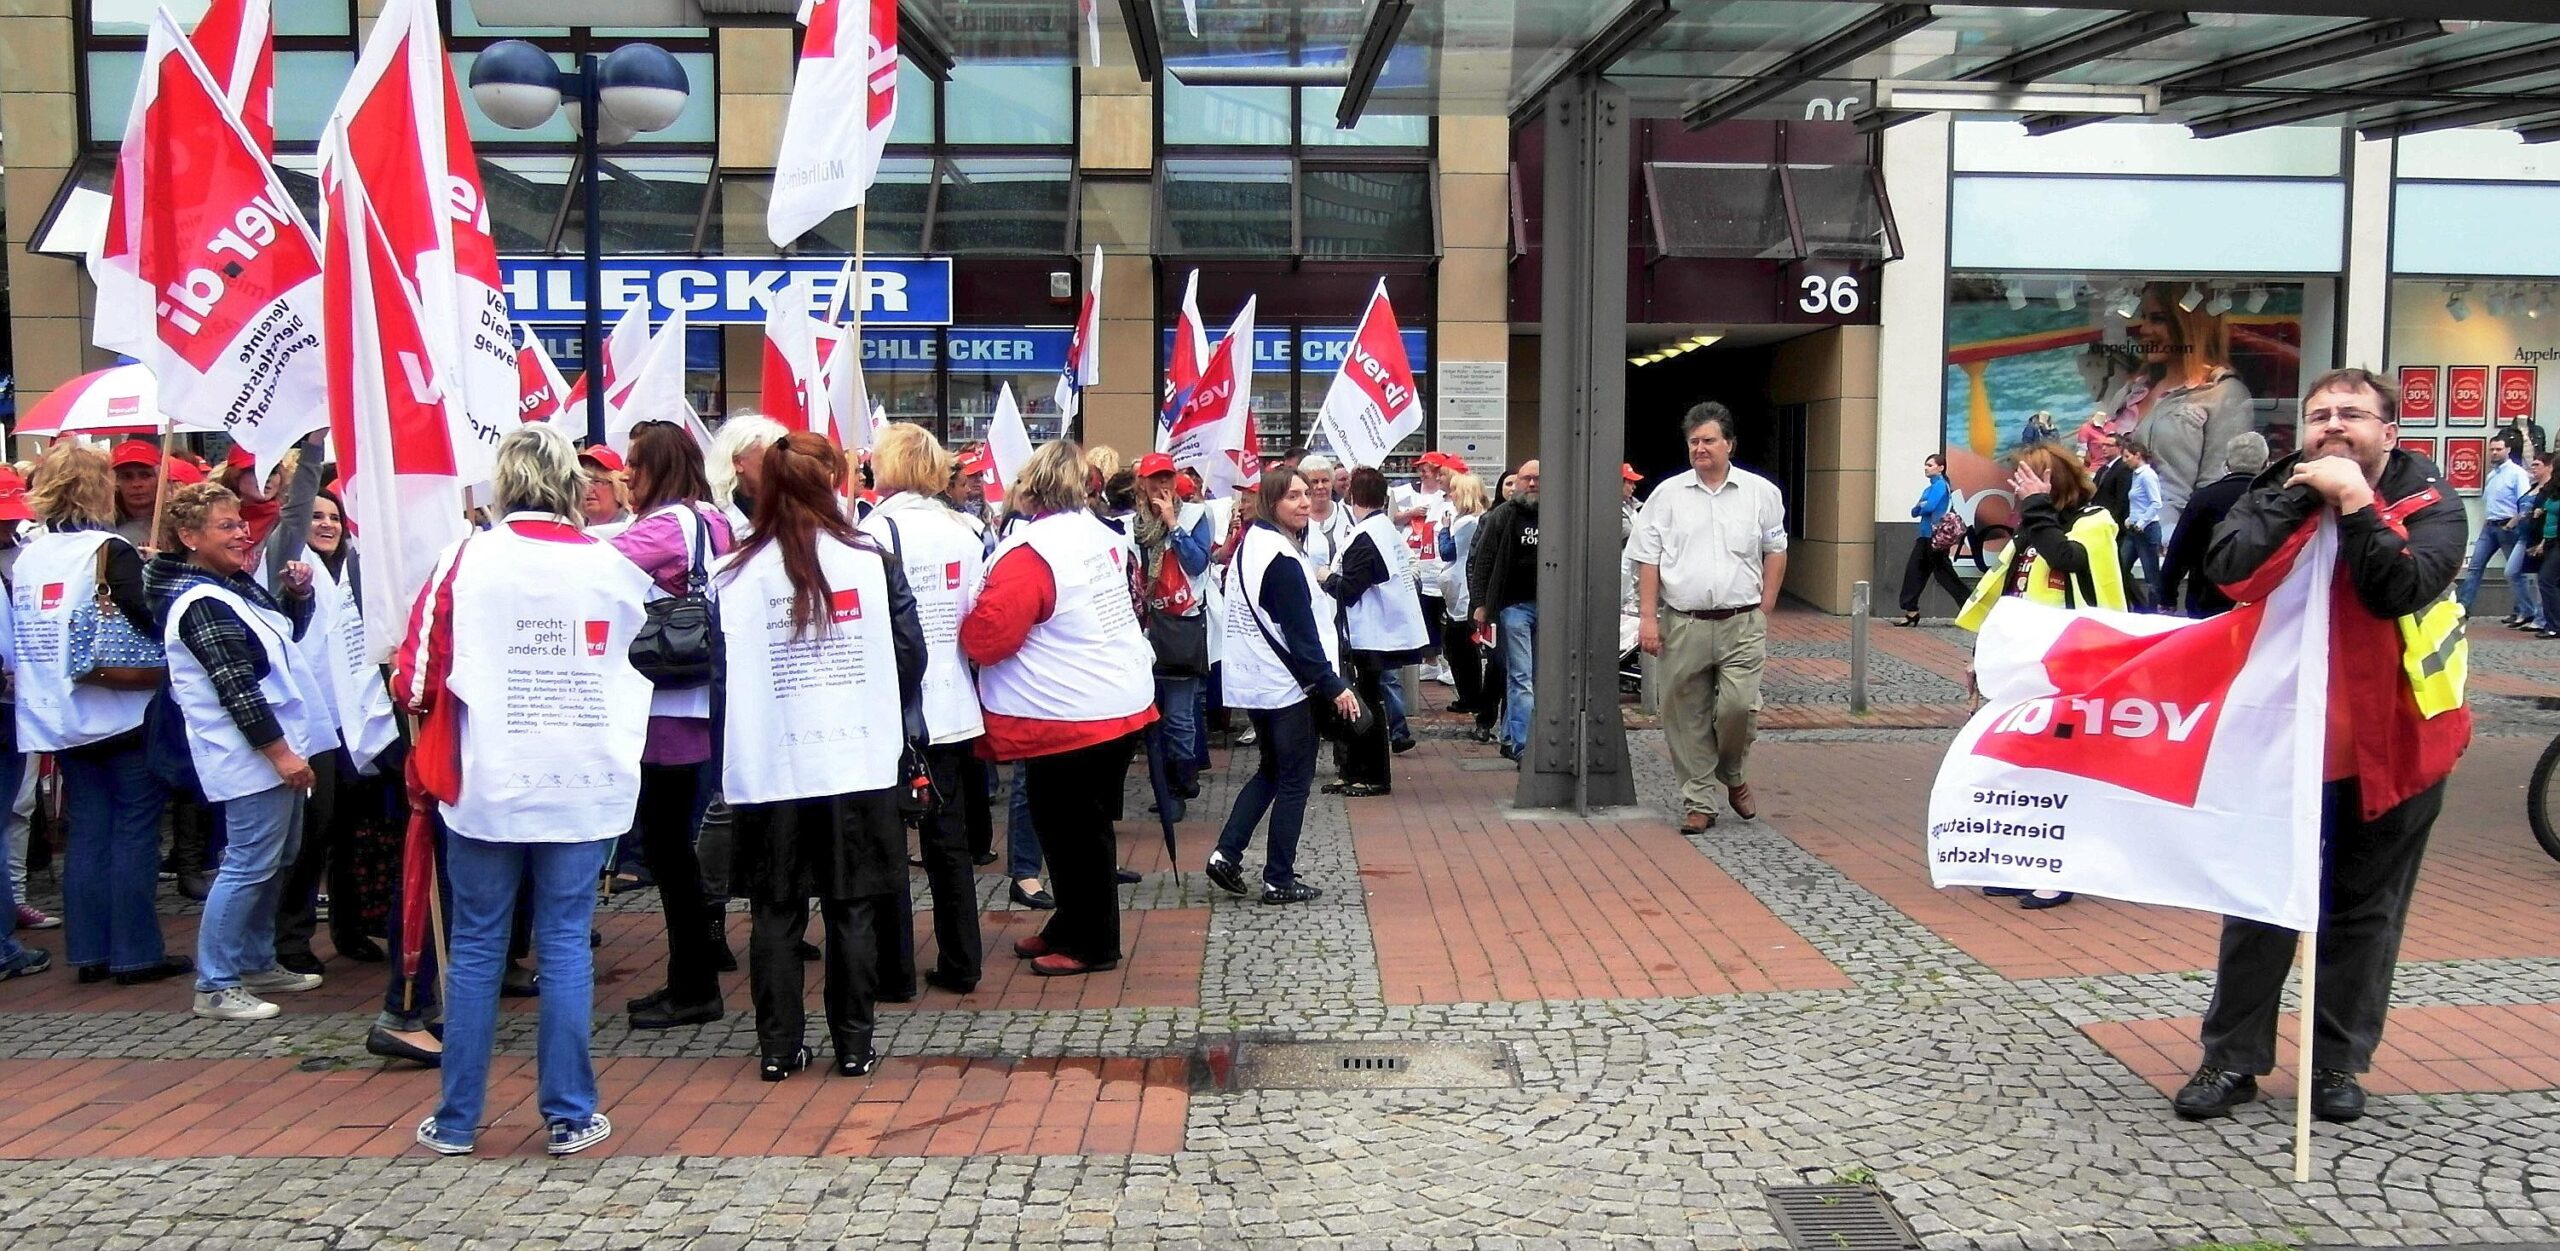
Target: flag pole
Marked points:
2310	954
853	338
160	493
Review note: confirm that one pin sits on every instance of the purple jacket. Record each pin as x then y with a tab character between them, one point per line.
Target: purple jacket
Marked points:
659	545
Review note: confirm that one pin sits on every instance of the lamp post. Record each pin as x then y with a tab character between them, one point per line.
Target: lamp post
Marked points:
632	90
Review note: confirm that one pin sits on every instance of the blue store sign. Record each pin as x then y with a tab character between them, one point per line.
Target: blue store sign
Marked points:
1320	348
719	290
972	349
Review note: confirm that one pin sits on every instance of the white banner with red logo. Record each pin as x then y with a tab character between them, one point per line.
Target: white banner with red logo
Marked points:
236	41
208	275
793	393
1212	422
2148	758
844	99
1190	355
1372	405
545	393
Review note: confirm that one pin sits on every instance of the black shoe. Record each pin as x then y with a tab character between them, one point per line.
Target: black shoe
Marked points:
652	999
519	982
810	951
1188	790
1226	874
1480	734
362	950
299	962
954	983
91	974
1908	620
858	1064
1366	790
1511	753
1401	746
894	994
726	961
2212	1093
915	862
775	1070
1334	788
595	939
2005	892
2336	1096
1125	877
195	884
169	967
1294	892
382	1042
1462	708
1033	899
983	859
2033	902
666	1014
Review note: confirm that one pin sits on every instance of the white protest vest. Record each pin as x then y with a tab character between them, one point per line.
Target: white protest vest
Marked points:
554	716
1089	661
692	701
816	715
336	652
1254	675
228	766
944	561
1326	537
56	574
1387	617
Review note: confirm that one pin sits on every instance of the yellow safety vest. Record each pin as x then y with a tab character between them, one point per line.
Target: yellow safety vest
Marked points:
2094	530
2436	654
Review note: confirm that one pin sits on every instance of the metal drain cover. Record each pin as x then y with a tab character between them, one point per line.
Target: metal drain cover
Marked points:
1372	1066
1839	1218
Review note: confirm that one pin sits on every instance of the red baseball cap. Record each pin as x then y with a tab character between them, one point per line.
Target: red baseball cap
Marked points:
1154	463
1442	459
135	452
1186	486
184	472
602	457
237	460
13	496
1629	473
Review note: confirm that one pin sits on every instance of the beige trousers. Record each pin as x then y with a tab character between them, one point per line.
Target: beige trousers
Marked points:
1710	683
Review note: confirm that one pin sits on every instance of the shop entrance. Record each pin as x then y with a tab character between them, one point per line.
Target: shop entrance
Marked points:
1741	369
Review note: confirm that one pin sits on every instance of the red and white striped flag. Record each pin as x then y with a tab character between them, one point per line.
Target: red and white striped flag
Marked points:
237	41
1084	348
830	149
389	407
407	137
208	274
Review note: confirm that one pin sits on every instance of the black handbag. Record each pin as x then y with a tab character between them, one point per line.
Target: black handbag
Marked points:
1181	644
678	646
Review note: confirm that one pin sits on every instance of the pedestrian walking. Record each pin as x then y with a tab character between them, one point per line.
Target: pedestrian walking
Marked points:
2503	499
1711	555
1931	556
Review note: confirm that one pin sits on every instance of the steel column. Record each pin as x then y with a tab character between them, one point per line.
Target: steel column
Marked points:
1577	754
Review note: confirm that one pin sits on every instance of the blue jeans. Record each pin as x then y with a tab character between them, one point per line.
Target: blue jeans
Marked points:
1178	700
2528	588
563	904
111	870
1279	785
2142	544
12	770
237	936
2495	541
1518	626
1021	838
1391	689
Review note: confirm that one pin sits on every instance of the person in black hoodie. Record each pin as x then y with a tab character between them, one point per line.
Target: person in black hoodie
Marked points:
1502	577
2244	457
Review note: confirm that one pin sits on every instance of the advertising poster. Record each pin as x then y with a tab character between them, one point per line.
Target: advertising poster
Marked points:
2422	446
2519	392
2021	375
2466	464
2420	401
2466	395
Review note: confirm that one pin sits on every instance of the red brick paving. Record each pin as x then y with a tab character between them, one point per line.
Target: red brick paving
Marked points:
64	1109
1467	907
2437	1051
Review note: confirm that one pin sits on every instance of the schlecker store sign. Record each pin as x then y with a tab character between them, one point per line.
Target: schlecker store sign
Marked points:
722	291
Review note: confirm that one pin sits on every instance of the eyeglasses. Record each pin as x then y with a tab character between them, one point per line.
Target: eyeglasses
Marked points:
2341	416
233	526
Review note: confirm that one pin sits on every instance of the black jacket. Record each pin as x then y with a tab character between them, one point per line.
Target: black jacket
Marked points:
1502	570
2205	510
2392	576
2115	489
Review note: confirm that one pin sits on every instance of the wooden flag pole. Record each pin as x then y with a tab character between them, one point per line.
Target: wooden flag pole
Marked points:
160	494
2302	1063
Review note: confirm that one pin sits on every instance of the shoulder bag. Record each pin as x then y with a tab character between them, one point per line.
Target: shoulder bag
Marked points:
678	646
103	649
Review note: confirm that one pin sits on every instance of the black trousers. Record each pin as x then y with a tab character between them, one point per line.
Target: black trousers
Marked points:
669	796
1466	663
1432	606
944	840
777	979
340	802
977	804
1926	563
2368	870
1497	689
1073	795
1365	758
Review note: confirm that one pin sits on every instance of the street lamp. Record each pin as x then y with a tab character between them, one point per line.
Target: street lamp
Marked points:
632	90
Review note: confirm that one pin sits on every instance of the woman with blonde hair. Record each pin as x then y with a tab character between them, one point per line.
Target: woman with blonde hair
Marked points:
1064	676
112	800
2064	555
2191	401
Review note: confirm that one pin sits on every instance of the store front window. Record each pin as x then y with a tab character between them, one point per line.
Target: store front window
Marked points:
2181	362
2469	354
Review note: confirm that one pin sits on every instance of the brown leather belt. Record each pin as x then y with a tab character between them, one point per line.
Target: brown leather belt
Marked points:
1712	614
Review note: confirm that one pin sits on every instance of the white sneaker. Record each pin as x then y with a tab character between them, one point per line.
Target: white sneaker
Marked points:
1442	676
568	1139
280	981
233	1003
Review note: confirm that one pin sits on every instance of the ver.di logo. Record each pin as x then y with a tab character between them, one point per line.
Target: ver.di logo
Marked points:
2133	711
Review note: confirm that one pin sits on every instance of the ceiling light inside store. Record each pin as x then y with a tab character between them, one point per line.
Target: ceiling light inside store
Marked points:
2457	307
2124	303
2068	295
2497	301
1705	340
2257	300
2220	303
2541	303
2193	297
2017	293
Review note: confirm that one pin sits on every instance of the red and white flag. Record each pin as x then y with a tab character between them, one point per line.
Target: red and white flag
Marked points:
794	394
843	101
208	274
1372	405
1084	348
657	390
2148	758
237	41
1213	418
848	396
388	403
546	394
1190	356
624	348
407	137
1008	440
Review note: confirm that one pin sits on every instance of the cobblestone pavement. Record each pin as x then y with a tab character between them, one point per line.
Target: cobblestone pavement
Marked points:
1915	1034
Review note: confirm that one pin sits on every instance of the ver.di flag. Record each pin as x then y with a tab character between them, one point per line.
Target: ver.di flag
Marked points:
236	41
1372	405
1212	422
2147	758
407	136
844	99
793	392
1084	347
1190	354
546	394
657	391
208	274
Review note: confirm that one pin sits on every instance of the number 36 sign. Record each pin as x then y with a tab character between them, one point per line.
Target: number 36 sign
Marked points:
1833	293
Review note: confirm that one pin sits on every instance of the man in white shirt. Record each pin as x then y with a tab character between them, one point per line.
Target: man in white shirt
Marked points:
1710	550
